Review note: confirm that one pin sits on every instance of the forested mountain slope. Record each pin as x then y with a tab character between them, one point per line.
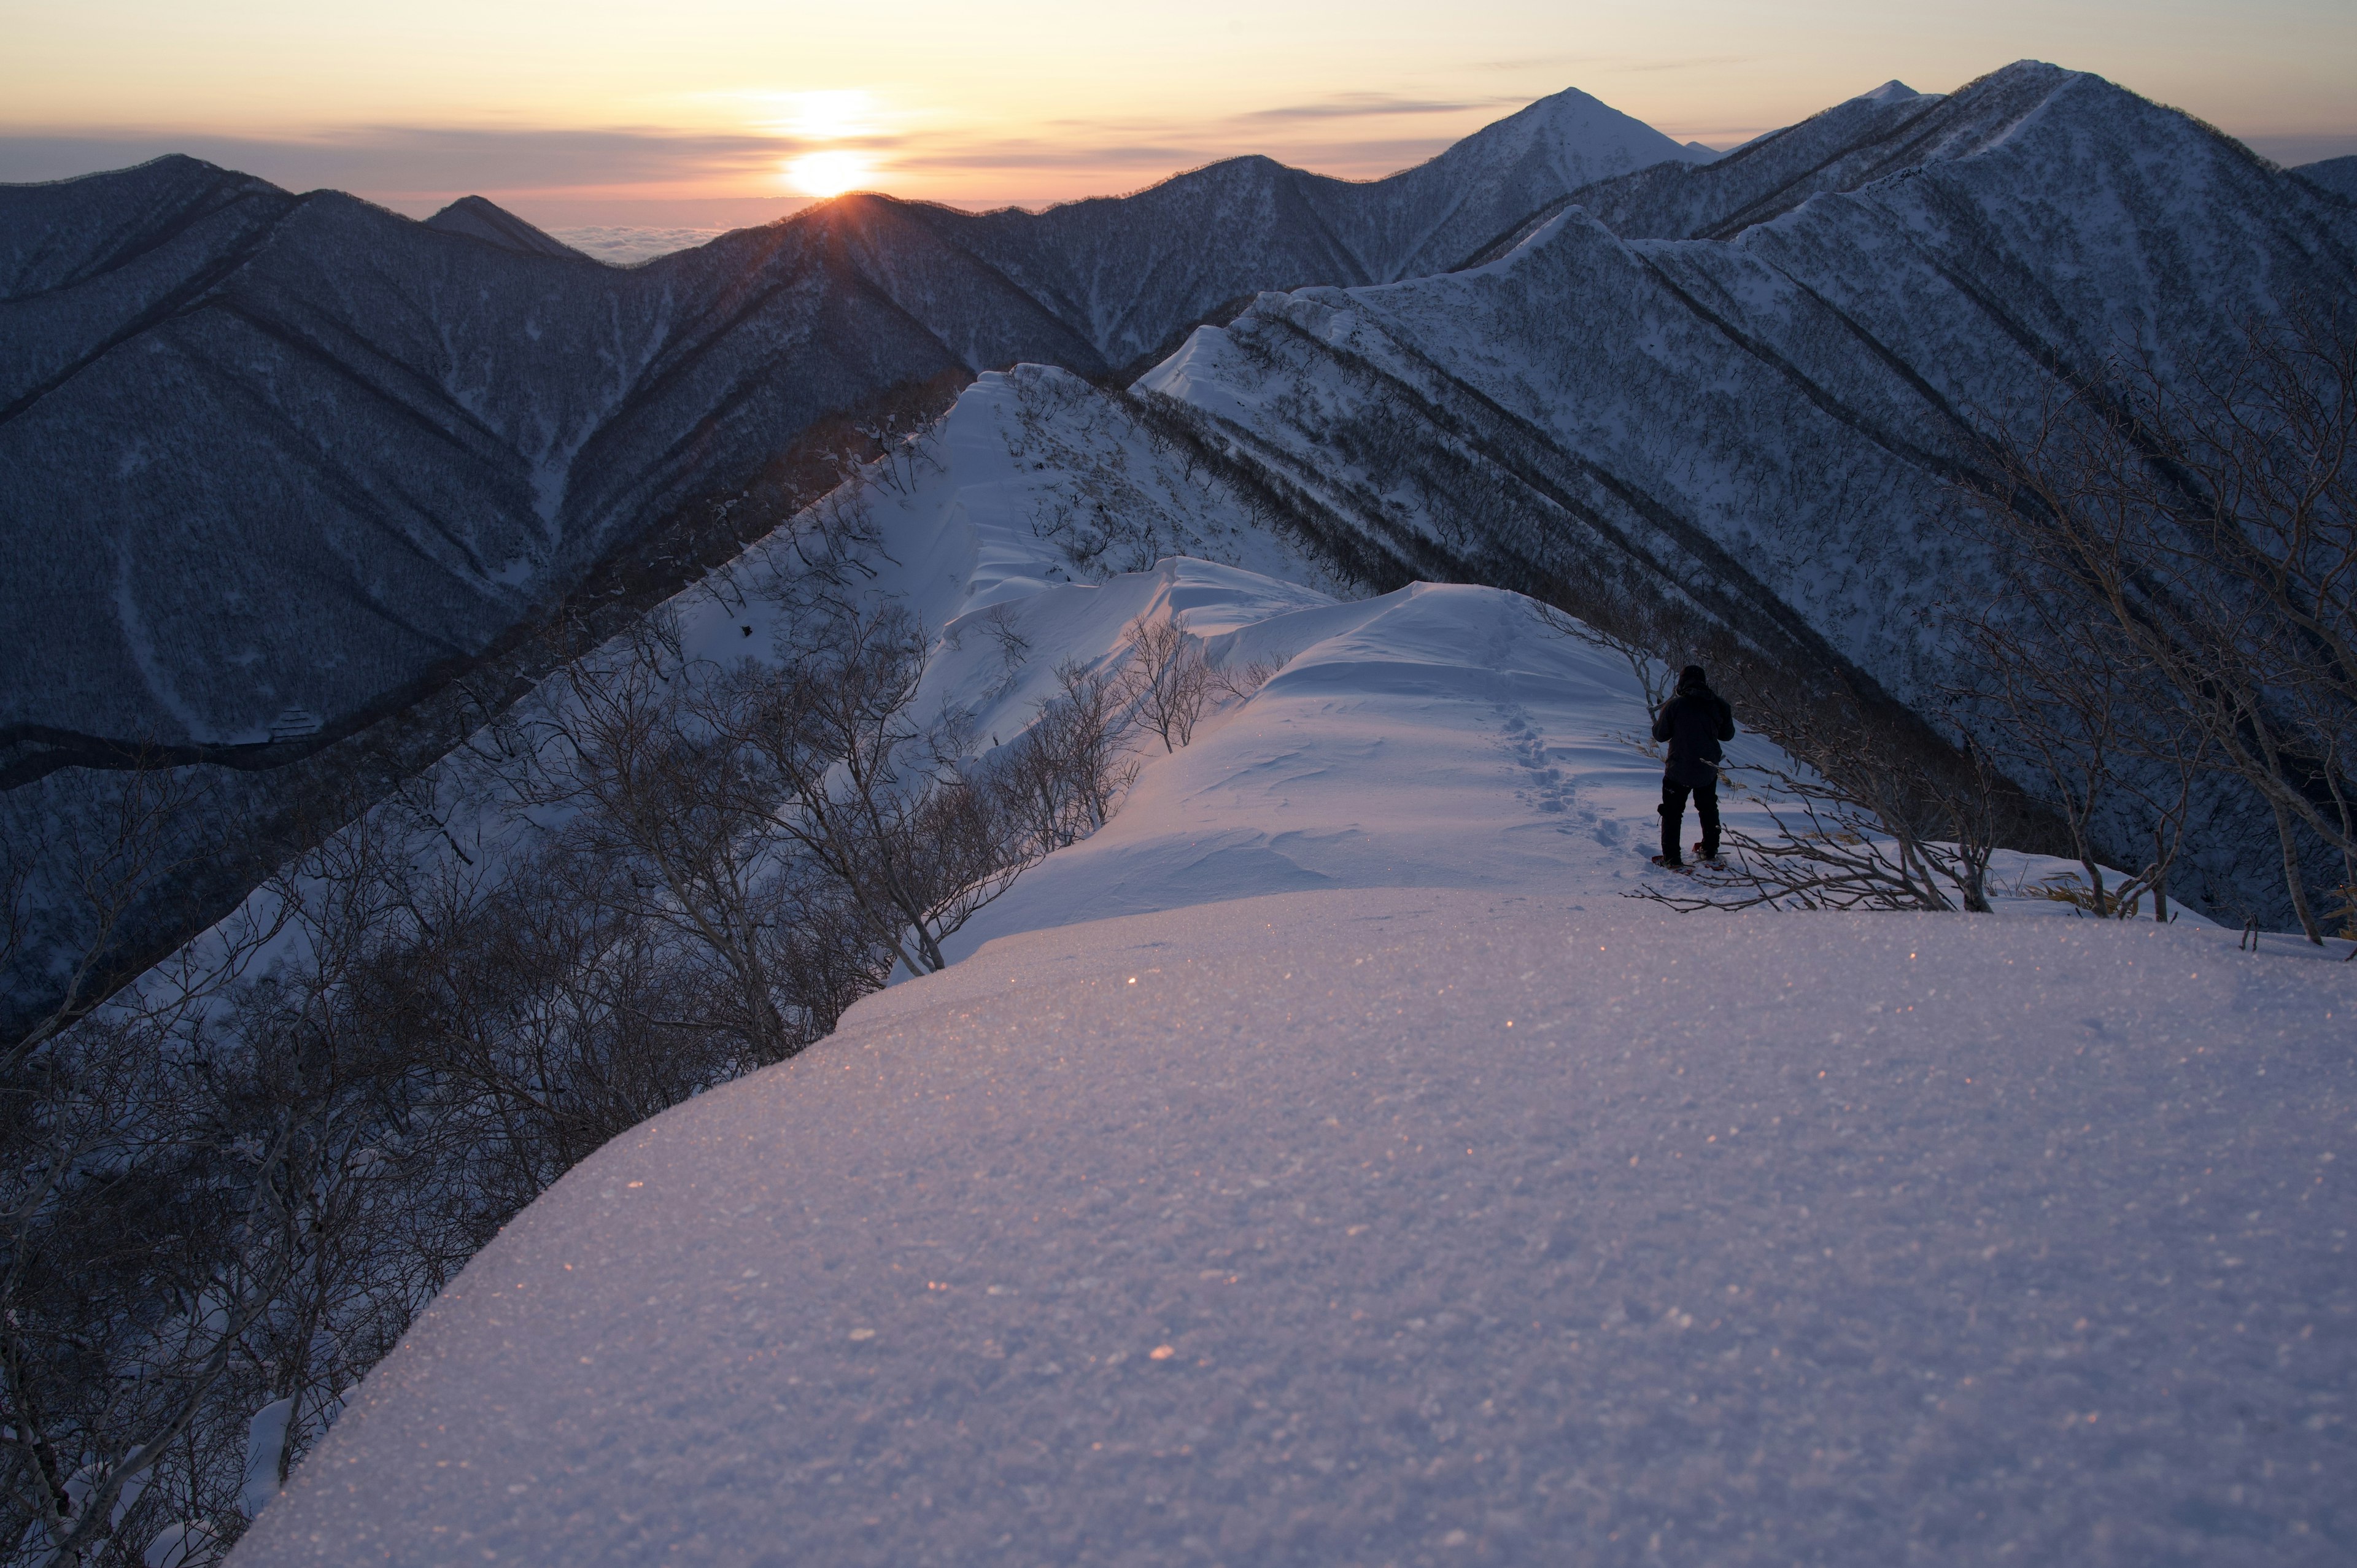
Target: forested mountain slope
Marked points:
294	450
495	225
289	450
1758	426
2336	175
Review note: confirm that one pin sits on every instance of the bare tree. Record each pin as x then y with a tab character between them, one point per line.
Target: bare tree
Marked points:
1240	683
999	623
1164	679
1655	674
1061	779
882	801
2205	518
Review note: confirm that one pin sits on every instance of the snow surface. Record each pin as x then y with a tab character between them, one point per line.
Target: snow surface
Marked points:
1323	1166
1405	1226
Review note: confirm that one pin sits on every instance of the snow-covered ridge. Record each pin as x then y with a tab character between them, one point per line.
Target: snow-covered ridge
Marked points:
1357	913
1330	1226
463	430
1759	430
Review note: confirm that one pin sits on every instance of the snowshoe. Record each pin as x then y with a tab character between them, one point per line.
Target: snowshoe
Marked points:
1666	864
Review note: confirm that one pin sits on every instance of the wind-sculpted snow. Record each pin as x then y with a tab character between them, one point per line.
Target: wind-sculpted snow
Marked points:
1427	1227
1762	428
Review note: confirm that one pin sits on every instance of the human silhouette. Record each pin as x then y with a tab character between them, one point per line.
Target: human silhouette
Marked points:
1693	722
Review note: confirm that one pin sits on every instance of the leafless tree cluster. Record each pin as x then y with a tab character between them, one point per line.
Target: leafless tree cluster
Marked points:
225	1194
1656	676
1167	682
2176	547
1062	778
216	1201
2099	740
1869	822
2181	604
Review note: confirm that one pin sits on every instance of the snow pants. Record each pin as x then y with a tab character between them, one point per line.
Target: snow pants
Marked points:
1673	816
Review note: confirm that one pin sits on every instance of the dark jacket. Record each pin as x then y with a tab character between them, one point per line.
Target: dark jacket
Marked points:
1694	722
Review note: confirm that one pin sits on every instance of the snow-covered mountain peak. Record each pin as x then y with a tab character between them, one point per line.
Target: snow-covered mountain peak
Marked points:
479	219
1891	91
1573	128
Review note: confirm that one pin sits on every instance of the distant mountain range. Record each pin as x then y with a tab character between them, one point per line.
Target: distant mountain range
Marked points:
1747	381
278	467
1741	389
299	451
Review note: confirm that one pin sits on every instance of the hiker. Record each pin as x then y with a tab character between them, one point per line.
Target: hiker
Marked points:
1694	722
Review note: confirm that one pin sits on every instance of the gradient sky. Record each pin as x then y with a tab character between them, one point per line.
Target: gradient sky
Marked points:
704	111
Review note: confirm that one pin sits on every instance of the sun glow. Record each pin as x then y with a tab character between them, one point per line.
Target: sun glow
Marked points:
826	174
828	116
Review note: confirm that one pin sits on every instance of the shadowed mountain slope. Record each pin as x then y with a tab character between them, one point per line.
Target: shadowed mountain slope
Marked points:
1756	427
496	225
2337	175
291	450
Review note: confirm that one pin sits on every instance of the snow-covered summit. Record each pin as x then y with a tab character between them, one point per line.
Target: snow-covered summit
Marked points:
483	220
1576	130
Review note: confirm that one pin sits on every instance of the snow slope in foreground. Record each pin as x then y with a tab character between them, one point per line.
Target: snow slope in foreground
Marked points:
1322	1166
1426	1226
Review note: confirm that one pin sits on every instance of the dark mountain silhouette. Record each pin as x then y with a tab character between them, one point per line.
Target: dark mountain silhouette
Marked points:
297	451
496	225
2337	175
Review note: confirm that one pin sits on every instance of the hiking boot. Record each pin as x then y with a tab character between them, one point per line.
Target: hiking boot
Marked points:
1706	852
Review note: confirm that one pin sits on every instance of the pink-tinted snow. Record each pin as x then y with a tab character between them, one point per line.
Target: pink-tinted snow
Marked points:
1433	1226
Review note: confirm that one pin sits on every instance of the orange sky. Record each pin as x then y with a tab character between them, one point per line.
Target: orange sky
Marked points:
722	112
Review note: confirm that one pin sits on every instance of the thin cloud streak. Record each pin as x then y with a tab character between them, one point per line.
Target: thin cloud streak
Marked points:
1608	64
1691	62
1357	105
1031	154
422	158
411	159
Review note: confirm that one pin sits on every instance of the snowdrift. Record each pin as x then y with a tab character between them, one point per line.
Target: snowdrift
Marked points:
1322	1165
1416	1226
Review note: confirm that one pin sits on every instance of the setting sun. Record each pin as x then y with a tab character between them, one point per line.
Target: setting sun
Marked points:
826	174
